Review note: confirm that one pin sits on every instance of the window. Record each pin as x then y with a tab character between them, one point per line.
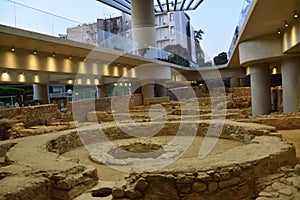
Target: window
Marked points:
160	20
171	17
172	28
172	42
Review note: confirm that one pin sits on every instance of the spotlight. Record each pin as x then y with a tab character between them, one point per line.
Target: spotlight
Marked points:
295	14
53	54
22	73
35	52
278	31
13	48
286	24
70	57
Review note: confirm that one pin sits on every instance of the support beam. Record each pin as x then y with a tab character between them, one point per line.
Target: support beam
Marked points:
260	89
290	70
40	93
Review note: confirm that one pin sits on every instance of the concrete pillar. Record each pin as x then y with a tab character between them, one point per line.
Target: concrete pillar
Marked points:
148	90
40	93
160	89
143	24
144	36
136	87
260	89
234	82
290	82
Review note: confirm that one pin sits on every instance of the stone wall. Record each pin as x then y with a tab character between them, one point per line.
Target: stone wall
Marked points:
283	121
32	171
240	91
238	131
228	178
80	109
32	115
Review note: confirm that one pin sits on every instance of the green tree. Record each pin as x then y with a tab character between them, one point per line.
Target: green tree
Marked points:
179	54
221	59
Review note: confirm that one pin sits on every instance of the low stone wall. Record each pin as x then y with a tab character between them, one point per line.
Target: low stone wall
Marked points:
240	91
32	115
80	109
33	171
226	180
156	100
279	121
238	131
226	175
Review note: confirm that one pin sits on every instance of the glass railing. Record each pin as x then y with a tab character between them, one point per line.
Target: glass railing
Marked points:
24	17
238	28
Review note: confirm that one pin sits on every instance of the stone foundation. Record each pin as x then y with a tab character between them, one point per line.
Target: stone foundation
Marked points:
227	180
279	121
32	115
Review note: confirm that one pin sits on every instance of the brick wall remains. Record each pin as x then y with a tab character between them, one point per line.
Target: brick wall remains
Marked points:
32	115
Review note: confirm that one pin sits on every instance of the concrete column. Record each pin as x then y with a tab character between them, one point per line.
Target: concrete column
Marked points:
234	82
160	89
148	90
290	82
40	93
136	87
260	89
143	24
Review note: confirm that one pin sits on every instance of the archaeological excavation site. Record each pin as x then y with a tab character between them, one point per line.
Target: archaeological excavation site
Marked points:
160	149
150	100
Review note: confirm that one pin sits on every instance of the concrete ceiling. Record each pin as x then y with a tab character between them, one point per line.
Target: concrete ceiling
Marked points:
22	39
264	18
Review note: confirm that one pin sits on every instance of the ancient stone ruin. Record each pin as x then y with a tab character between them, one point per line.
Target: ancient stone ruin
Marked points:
252	160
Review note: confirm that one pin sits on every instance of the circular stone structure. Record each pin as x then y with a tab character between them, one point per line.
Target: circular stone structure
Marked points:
132	152
226	174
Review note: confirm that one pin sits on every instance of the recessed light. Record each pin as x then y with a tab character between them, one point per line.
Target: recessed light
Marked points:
278	31
286	23
295	14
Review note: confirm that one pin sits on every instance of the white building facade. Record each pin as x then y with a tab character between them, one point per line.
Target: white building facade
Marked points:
172	28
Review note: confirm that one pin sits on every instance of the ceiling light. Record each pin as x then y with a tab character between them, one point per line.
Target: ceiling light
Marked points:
22	73
286	24
53	54
295	14
13	48
70	57
278	31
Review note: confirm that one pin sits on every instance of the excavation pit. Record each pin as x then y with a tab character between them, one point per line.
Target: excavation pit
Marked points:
229	171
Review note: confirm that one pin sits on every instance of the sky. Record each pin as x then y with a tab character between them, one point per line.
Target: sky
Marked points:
217	18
